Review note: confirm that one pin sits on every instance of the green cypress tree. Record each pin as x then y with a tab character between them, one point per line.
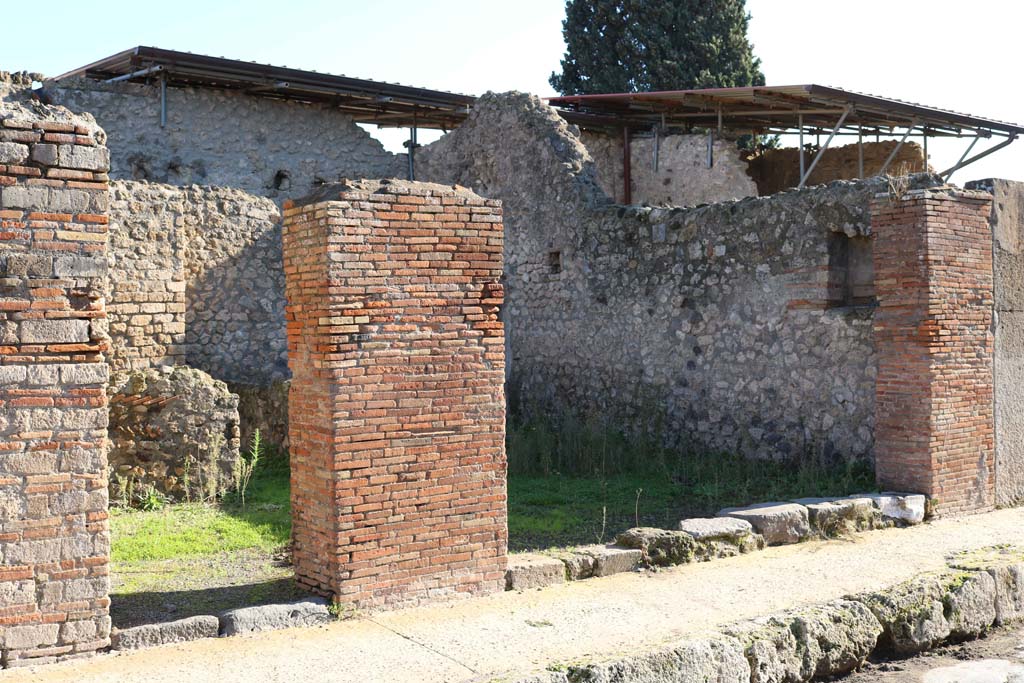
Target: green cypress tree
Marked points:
646	45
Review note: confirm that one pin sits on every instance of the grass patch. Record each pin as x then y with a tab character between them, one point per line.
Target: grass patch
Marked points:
580	482
197	529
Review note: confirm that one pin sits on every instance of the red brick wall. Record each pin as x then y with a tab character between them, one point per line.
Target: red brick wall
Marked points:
934	411
396	408
54	543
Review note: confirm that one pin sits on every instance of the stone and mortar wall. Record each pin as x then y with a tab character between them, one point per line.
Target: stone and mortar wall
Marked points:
172	430
714	325
196	278
266	147
54	542
933	330
1007	222
779	169
397	412
682	177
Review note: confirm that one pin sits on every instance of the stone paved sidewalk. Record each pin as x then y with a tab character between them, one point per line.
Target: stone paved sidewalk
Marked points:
512	633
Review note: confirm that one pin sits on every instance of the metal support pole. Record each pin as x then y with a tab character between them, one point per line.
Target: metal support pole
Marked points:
657	145
925	169
896	150
821	151
860	153
163	99
962	156
627	190
412	152
981	155
800	125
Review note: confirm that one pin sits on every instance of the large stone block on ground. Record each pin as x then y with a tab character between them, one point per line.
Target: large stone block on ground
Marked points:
718	659
588	561
175	429
1005	564
831	517
530	570
660	547
151	635
904	508
308	612
779	523
816	642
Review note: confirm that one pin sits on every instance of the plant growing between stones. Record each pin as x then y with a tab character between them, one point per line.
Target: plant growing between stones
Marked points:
246	464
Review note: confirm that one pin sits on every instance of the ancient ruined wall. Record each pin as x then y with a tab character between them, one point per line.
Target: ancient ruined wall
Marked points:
54	543
778	169
266	147
196	278
682	177
1007	222
724	327
397	411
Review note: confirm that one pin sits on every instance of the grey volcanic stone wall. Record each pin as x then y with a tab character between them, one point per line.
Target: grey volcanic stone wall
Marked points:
719	326
267	147
682	177
196	278
1008	265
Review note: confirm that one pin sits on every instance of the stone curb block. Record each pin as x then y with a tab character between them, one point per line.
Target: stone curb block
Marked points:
589	561
830	639
308	612
151	635
780	523
533	570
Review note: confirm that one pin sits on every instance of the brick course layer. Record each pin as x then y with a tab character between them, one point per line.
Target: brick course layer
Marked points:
933	331
396	408
54	543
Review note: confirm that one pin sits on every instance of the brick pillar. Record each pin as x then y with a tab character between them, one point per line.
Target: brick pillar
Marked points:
54	542
934	393
396	409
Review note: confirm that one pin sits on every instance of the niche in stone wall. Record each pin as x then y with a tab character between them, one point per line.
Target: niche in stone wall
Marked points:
851	274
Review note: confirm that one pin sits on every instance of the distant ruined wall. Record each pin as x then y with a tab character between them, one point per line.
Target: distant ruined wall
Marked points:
682	177
266	147
725	326
779	169
196	278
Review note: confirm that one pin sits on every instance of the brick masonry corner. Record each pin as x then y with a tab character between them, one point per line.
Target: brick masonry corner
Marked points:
54	543
397	410
933	332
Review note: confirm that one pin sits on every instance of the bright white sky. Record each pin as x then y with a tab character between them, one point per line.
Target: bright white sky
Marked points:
954	55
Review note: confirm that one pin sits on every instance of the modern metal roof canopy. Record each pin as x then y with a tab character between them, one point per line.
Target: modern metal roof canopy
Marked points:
785	109
384	104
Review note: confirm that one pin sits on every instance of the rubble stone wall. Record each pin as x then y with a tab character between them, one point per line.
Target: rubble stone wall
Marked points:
196	278
397	410
681	177
54	540
266	147
173	430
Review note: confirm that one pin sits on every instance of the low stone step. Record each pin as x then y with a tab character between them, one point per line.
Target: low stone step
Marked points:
151	635
588	561
832	517
308	612
905	508
780	523
533	570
